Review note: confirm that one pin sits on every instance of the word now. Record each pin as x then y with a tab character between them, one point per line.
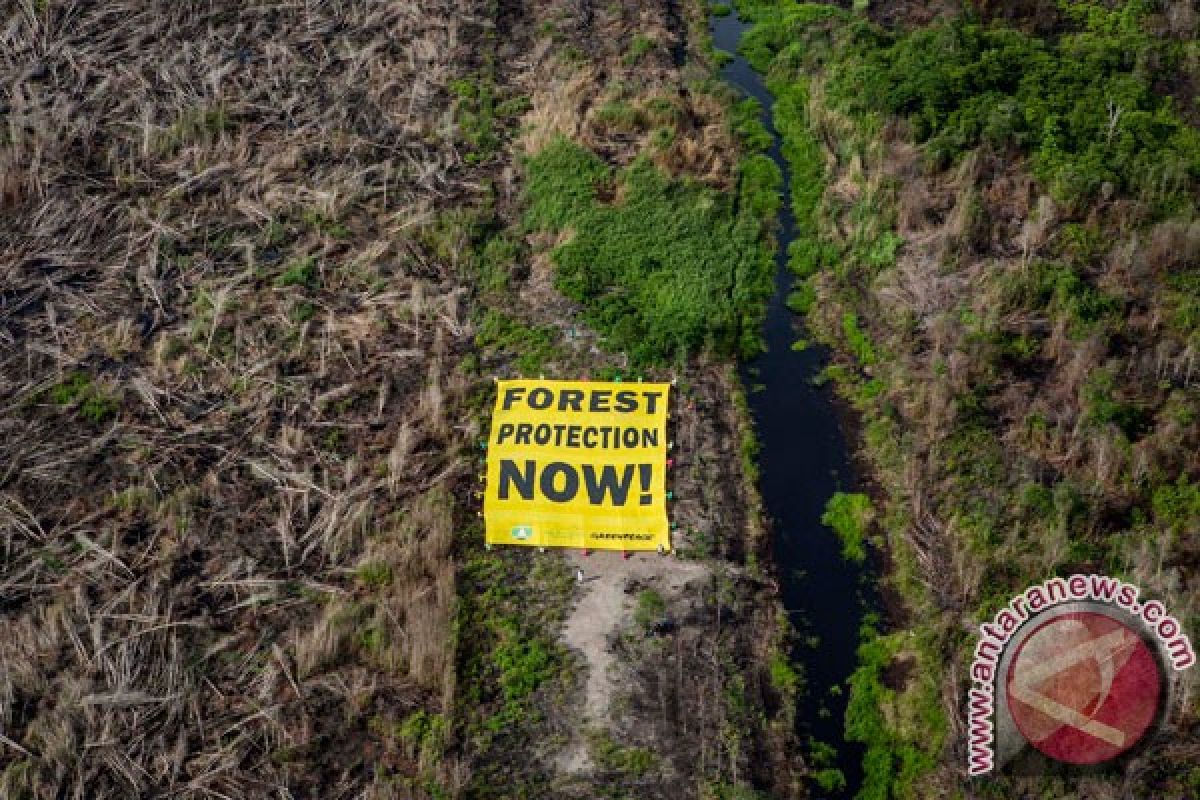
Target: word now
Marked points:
559	482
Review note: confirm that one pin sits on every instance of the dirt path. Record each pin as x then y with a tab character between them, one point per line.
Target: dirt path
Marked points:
605	606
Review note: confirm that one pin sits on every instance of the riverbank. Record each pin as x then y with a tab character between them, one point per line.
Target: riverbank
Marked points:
804	461
1014	339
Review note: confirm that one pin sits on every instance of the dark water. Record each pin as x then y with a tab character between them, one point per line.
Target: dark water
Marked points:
804	460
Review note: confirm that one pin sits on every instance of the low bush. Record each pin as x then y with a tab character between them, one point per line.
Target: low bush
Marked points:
850	517
667	267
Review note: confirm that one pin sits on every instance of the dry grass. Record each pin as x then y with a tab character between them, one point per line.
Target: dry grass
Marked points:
226	381
576	100
232	412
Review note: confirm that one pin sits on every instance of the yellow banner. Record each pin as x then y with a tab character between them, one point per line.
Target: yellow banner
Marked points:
578	464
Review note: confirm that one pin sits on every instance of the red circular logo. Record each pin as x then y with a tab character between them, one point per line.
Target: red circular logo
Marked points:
1083	687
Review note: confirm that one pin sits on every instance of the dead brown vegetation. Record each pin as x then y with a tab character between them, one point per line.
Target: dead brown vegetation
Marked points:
228	379
623	103
233	401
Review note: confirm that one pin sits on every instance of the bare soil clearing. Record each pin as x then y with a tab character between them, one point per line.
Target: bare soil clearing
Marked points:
604	610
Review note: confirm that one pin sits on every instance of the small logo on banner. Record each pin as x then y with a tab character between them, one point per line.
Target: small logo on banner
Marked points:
522	532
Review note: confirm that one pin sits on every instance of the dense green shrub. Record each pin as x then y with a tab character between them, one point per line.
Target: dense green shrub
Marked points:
1082	104
760	180
857	340
784	677
850	516
524	662
745	118
1177	506
777	25
665	268
894	758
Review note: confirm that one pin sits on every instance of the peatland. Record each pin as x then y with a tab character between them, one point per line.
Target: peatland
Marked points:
259	262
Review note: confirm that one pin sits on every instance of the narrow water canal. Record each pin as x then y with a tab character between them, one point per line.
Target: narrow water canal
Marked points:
804	459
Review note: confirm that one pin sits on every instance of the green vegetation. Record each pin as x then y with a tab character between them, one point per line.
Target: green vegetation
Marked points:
667	267
609	755
850	516
777	24
535	346
375	575
803	153
745	120
524	663
748	446
639	46
902	739
1103	409
724	791
821	757
759	185
1177	506
619	116
302	312
857	340
423	732
94	403
1082	104
830	779
784	677
473	238
475	113
325	224
301	272
650	608
1060	290
508	657
1019	408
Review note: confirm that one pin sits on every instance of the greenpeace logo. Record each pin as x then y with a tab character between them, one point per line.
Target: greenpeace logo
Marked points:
624	537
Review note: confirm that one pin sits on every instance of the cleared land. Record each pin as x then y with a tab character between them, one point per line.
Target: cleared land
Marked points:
258	263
